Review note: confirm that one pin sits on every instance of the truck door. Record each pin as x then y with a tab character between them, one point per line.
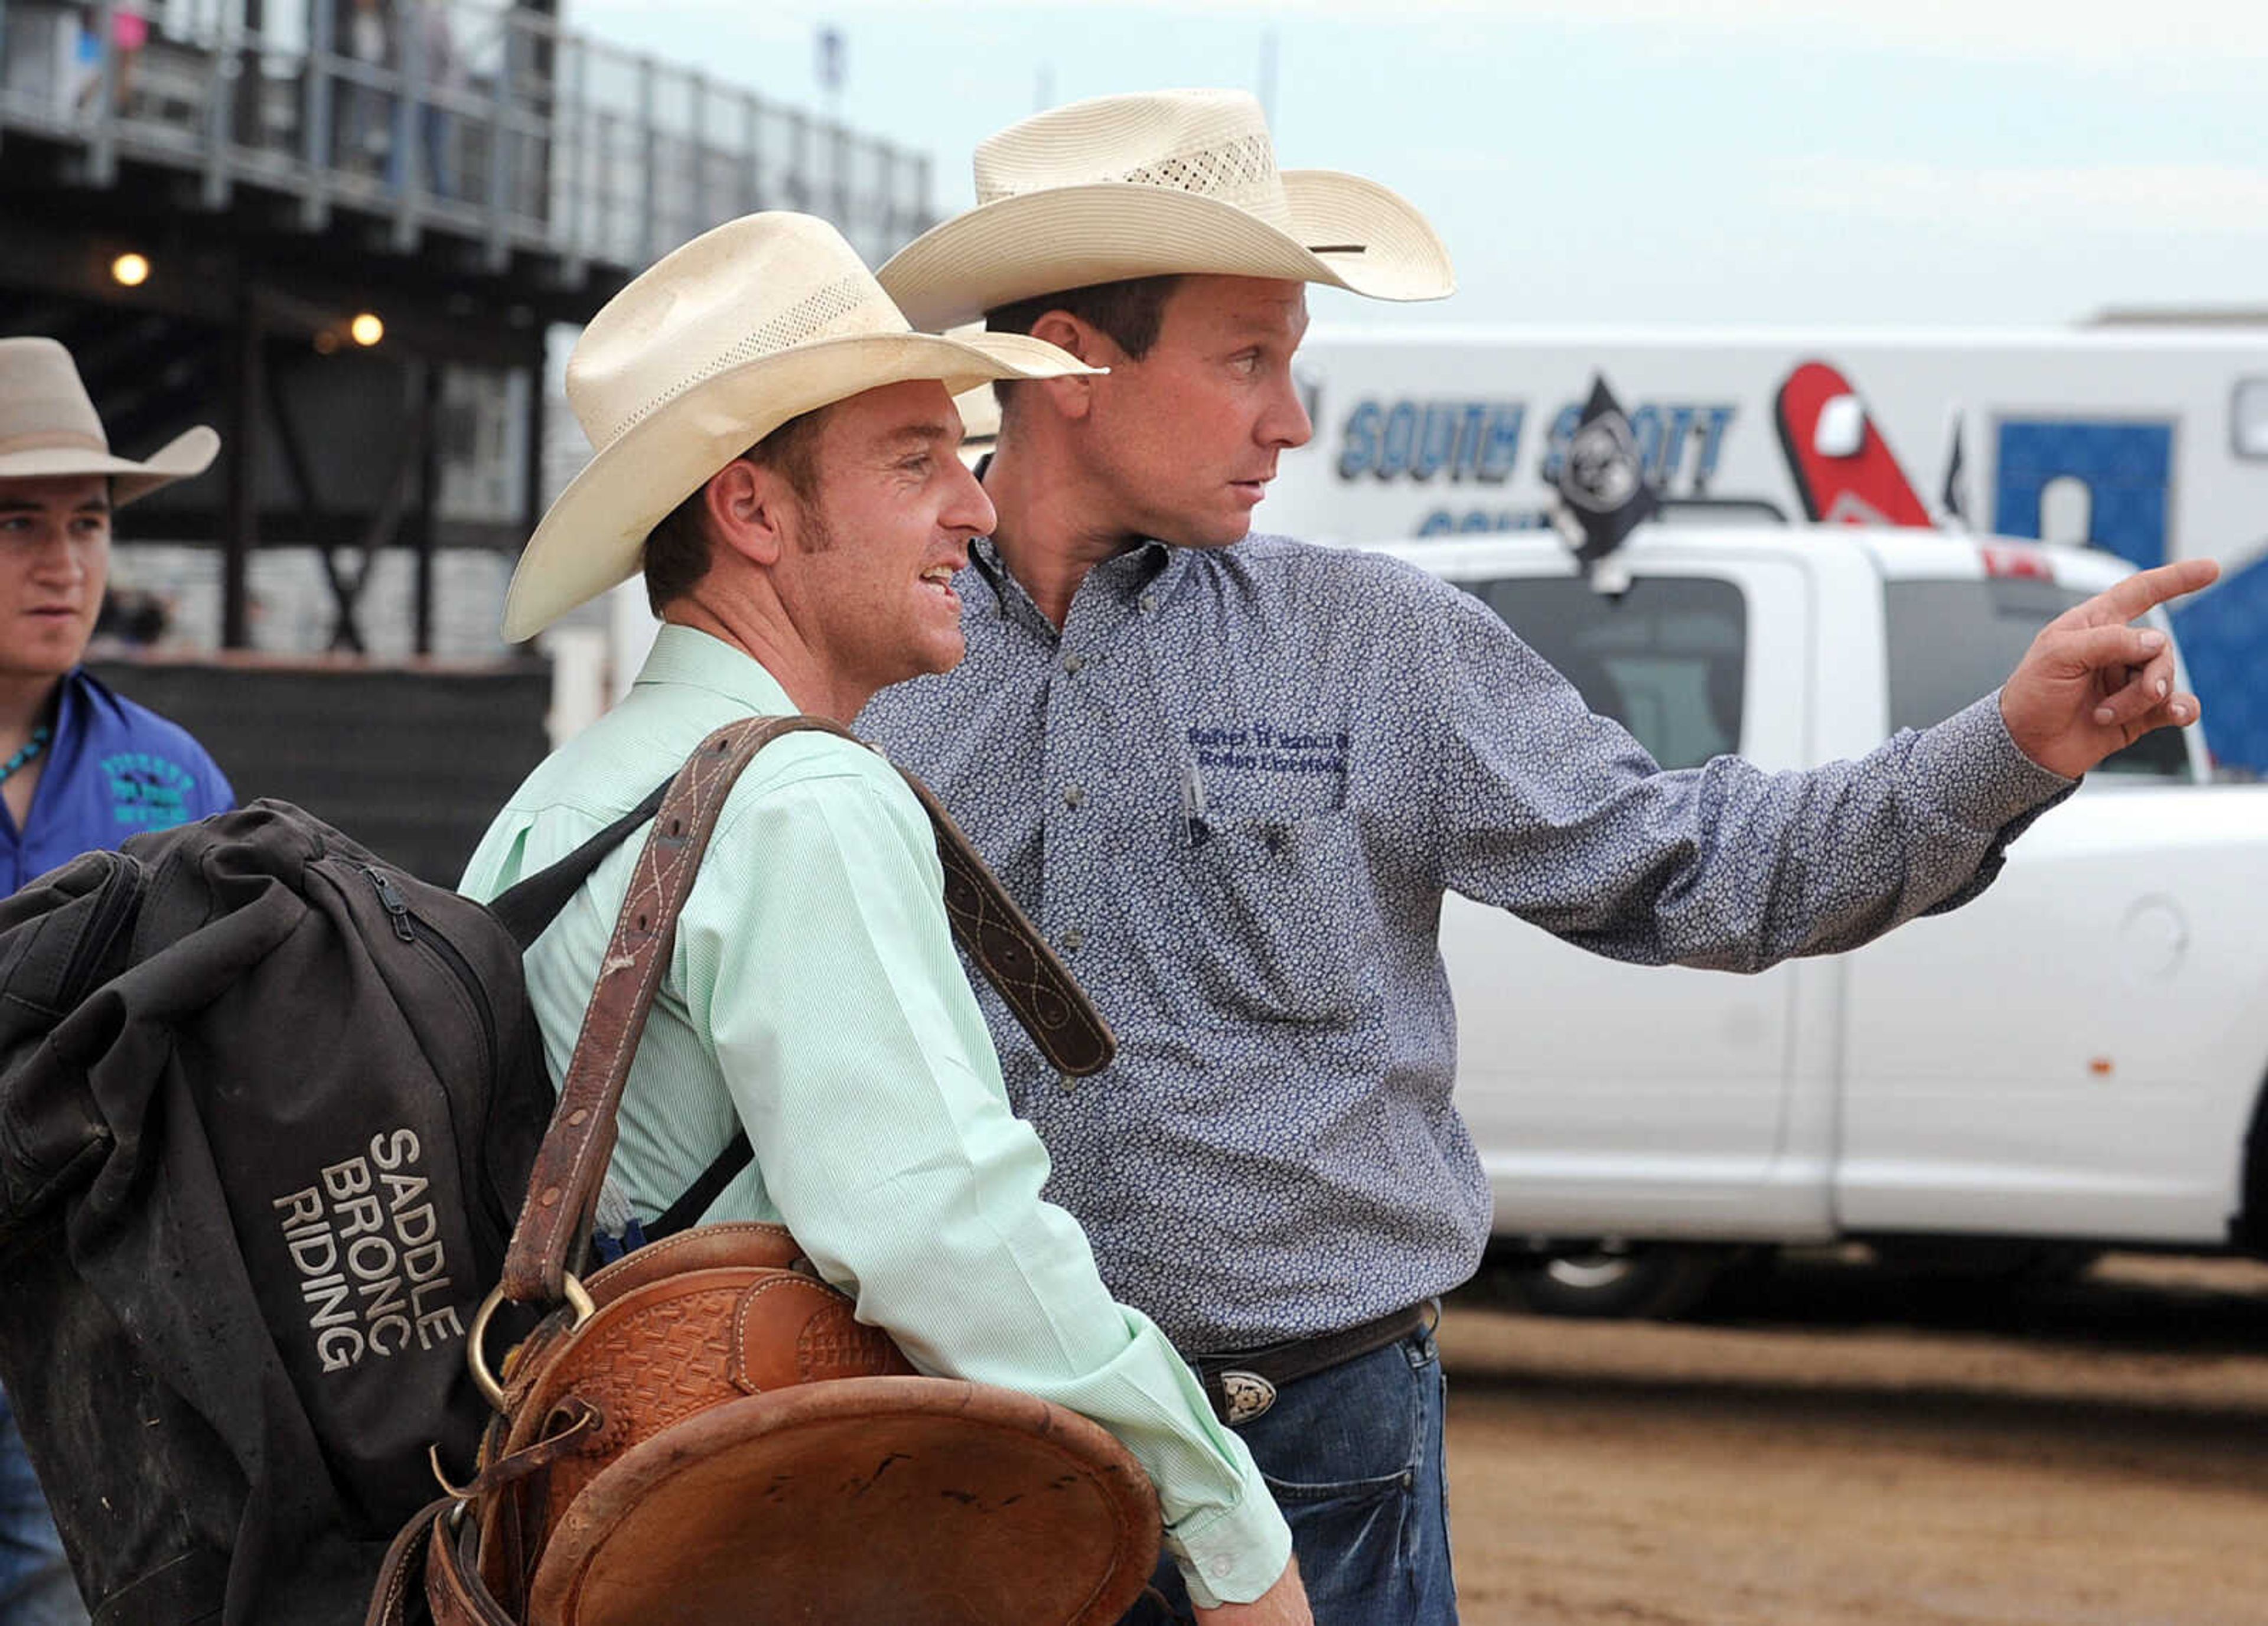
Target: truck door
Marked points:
1618	1099
2055	1058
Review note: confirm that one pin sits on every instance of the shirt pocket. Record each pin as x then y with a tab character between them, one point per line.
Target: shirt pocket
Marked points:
1282	918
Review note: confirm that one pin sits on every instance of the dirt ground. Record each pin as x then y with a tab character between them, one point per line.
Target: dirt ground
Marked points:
1828	1446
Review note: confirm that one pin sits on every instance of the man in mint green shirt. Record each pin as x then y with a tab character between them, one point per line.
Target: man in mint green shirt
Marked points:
813	996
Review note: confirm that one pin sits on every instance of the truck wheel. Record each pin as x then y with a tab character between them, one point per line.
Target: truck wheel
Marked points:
1615	1279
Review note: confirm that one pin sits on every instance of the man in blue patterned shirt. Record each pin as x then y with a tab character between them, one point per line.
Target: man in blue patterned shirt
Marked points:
1233	777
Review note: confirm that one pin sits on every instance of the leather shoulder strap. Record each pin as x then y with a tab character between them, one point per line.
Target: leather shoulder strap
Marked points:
1015	958
563	1187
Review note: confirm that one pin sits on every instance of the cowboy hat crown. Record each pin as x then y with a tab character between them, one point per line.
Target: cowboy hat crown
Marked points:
1156	184
48	427
701	355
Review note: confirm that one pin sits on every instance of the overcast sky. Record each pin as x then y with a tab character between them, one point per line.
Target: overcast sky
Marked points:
1884	162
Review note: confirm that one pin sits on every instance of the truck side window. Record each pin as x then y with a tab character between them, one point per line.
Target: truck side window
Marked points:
1666	659
1951	642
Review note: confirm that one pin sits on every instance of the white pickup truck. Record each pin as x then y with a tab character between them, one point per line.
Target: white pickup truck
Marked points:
2074	1061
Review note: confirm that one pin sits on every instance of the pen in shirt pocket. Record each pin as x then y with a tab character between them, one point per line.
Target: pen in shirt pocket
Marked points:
1193	803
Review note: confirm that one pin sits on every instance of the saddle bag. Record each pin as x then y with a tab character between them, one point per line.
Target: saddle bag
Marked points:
267	1106
702	1432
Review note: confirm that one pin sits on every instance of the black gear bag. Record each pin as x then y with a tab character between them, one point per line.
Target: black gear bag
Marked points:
267	1110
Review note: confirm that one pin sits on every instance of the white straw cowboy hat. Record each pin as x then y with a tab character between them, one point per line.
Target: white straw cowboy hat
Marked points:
50	427
980	423
704	353
979	409
1145	186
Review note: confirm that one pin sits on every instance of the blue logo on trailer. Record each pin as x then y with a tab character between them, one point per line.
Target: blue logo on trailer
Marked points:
2126	467
1419	440
1459	441
2222	632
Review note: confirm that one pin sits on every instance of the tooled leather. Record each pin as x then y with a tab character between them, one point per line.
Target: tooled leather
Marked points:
671	1361
564	1182
659	1347
669	1349
1046	998
756	1243
573	1157
750	1242
452	1590
791	1329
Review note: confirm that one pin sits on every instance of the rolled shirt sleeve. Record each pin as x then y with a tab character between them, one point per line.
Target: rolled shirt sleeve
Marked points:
858	1060
1561	817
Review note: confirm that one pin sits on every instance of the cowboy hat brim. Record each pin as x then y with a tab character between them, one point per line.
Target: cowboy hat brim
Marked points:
1346	232
595	534
187	455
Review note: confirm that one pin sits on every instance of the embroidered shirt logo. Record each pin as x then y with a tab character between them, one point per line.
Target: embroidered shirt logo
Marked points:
148	792
1268	748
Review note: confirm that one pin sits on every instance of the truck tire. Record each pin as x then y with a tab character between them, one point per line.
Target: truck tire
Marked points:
1639	1280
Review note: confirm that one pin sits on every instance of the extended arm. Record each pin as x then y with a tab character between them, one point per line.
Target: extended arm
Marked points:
1561	817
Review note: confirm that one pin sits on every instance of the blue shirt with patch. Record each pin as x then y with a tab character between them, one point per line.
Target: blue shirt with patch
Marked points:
114	770
1233	791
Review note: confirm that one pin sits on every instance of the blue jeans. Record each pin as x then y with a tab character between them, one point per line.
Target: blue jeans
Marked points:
35	1580
1353	1454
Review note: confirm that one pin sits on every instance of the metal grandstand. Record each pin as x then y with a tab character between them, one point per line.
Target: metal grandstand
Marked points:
341	231
490	126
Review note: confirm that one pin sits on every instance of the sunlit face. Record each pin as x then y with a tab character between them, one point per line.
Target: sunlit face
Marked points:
55	559
1185	440
867	574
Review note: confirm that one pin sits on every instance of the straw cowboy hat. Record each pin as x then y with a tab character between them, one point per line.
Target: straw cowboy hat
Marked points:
979	409
980	423
707	351
48	427
1145	185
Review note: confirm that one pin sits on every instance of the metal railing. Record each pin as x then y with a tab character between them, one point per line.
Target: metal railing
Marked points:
480	121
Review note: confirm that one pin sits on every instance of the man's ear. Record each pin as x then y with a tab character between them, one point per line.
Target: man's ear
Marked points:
1073	397
749	511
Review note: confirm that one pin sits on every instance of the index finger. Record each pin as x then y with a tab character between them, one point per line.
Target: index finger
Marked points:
2145	590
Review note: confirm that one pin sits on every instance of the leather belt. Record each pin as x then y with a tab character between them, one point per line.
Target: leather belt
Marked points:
1243	1386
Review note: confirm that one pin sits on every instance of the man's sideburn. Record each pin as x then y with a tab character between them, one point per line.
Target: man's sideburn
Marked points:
813	533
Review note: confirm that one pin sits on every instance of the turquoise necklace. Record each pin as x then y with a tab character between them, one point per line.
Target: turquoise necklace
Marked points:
25	753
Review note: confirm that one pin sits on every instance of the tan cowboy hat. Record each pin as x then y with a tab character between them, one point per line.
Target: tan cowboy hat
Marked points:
980	423
1145	185
48	427
979	409
707	351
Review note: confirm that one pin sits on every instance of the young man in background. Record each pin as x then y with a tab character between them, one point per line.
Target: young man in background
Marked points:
81	767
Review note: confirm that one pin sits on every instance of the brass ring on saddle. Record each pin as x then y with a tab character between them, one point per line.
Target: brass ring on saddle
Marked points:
476	1342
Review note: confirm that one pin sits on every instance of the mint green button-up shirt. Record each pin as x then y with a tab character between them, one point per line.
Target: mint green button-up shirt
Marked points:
813	998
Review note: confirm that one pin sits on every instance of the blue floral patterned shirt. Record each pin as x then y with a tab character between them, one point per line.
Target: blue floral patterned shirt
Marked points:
1232	791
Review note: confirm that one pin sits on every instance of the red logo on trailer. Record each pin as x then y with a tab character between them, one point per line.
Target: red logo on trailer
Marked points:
1843	468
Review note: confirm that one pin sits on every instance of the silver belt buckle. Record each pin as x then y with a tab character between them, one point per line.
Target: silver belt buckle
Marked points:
1247	1394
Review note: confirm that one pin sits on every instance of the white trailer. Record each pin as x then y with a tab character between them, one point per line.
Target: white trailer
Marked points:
2149	445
